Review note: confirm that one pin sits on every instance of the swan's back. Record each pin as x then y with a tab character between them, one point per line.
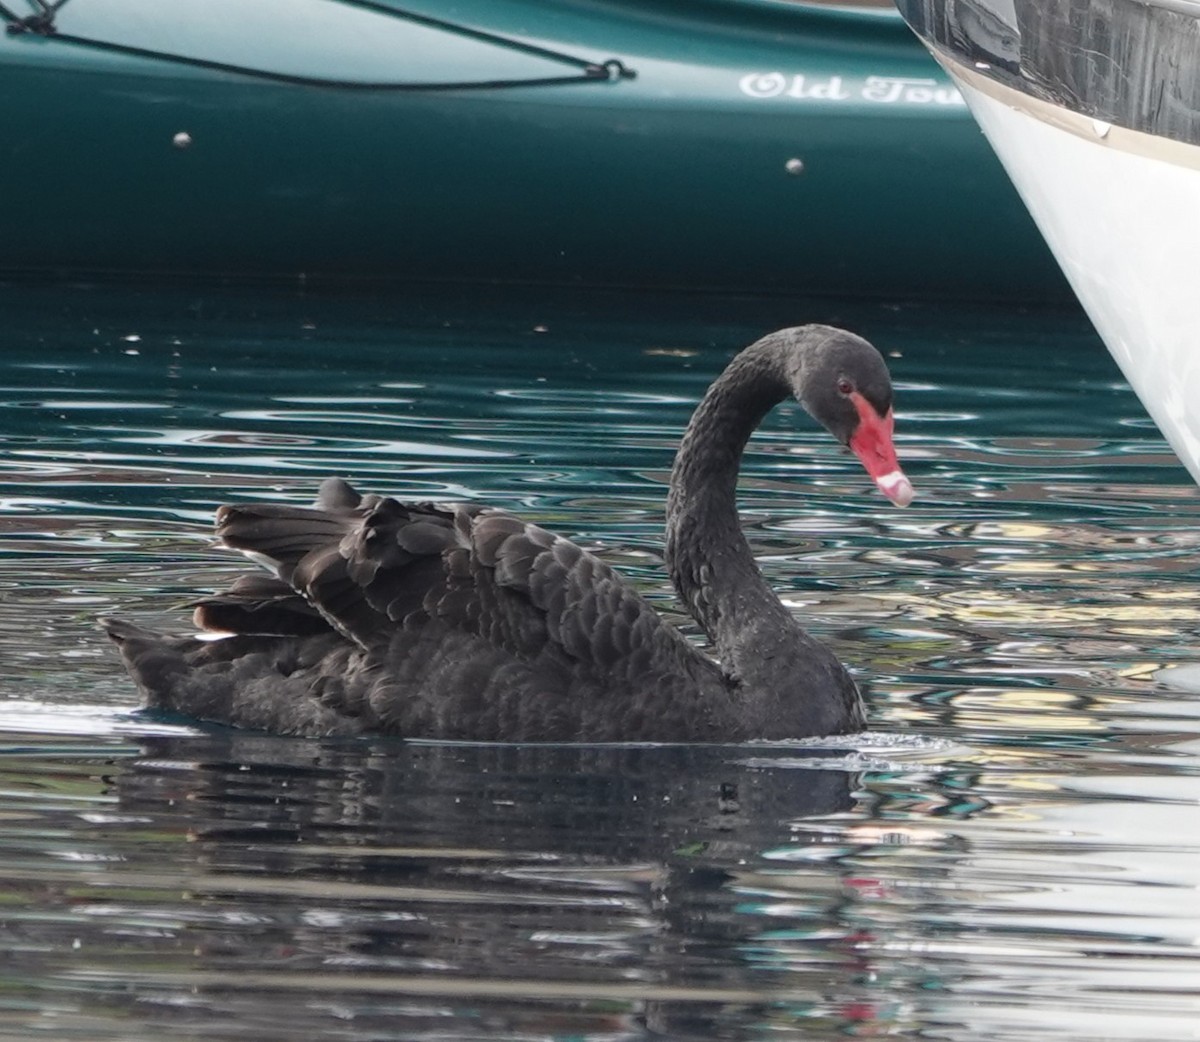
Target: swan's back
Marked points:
424	620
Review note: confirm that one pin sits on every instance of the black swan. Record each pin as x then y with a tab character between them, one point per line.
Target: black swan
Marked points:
456	621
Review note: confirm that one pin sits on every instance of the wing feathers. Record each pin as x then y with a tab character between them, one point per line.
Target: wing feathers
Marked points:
336	495
259	604
370	566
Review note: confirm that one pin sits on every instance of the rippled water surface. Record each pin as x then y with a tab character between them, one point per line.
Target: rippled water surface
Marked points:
1013	852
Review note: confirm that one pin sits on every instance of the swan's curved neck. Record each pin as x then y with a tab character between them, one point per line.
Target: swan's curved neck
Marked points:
708	557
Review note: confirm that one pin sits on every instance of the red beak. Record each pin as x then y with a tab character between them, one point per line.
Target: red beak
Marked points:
872	444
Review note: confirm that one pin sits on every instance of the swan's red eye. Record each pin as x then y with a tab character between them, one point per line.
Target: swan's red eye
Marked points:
845	386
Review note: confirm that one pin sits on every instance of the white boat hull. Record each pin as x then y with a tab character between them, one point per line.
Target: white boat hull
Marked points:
1121	211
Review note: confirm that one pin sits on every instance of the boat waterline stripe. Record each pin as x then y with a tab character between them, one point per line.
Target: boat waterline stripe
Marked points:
1105	135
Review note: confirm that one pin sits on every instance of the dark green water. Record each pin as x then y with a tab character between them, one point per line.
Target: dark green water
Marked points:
1012	853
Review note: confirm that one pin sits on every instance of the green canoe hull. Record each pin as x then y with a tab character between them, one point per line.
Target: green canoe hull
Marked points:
746	146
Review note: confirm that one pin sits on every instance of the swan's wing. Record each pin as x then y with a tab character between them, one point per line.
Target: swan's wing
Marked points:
590	610
363	565
370	564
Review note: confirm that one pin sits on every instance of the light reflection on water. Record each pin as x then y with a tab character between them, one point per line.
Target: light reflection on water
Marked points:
1012	853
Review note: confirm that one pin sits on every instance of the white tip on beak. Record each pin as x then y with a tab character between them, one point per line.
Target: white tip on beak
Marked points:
896	487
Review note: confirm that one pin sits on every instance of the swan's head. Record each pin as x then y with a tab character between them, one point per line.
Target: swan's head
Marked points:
843	382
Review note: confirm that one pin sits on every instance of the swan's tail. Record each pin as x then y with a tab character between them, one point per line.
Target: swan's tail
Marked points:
154	660
254	681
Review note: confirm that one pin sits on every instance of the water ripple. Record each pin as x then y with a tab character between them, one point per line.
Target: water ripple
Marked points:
1010	852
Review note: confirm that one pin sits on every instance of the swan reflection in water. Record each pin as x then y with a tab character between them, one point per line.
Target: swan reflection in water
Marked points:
588	867
388	856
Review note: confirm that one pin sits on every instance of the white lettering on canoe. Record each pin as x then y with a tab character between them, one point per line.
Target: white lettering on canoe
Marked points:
890	89
829	90
882	90
764	84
